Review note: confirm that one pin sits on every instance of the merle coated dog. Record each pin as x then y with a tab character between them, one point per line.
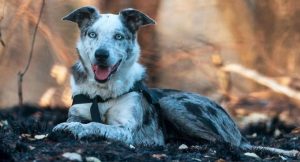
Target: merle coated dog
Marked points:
110	99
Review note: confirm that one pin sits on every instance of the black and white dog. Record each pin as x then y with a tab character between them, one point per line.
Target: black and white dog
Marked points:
108	91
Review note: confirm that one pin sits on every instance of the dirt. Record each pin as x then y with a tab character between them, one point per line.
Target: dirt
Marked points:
20	125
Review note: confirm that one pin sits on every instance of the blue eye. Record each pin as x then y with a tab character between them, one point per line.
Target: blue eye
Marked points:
92	35
119	37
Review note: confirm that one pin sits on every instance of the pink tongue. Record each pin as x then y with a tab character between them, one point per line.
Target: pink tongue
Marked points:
101	73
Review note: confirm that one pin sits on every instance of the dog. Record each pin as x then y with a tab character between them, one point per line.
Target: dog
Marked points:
109	94
108	67
111	101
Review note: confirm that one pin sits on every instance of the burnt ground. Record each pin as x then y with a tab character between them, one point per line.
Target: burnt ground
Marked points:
20	125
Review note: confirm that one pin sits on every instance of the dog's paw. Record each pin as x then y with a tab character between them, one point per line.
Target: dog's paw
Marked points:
59	127
73	127
92	131
87	135
62	127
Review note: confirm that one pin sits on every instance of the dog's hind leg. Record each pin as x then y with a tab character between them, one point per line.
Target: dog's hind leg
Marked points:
198	117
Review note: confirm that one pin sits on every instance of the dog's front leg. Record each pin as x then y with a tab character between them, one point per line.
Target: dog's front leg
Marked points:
122	121
73	127
76	115
79	113
111	132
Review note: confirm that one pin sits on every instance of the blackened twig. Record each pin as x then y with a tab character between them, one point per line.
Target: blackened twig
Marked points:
1	40
1	18
21	74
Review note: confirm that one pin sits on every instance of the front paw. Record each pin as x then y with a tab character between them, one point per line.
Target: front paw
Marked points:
75	128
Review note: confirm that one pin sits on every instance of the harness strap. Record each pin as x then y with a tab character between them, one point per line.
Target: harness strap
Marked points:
139	86
82	98
94	110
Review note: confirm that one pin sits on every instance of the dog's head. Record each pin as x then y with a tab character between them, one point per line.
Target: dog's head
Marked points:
107	41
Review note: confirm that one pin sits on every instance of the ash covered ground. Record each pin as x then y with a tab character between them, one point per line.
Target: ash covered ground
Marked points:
25	135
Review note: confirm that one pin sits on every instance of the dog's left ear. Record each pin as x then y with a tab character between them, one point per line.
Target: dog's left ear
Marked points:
134	19
83	16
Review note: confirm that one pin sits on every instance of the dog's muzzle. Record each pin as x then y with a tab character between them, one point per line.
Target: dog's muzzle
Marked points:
103	73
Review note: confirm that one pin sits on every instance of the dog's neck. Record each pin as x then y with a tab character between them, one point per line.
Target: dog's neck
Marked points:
117	85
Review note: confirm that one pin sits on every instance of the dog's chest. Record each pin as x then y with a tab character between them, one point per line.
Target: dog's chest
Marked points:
113	112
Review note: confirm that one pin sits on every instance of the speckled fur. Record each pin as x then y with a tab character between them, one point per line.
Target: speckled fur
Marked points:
125	117
128	117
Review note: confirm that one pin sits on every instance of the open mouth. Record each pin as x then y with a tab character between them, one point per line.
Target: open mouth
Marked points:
103	73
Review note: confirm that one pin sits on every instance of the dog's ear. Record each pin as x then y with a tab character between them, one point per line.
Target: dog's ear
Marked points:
135	19
83	16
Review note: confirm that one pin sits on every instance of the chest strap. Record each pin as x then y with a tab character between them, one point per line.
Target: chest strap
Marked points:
139	87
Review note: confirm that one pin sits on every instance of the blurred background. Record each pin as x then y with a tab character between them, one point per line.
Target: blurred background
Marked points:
242	53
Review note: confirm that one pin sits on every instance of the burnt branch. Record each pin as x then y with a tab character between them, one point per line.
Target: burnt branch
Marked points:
1	18
21	74
1	40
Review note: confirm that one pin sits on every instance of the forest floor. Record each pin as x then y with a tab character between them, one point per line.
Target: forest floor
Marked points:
25	136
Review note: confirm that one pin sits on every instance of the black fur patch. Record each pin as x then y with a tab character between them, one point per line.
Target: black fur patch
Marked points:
209	124
79	75
83	16
134	19
212	111
193	108
149	115
182	98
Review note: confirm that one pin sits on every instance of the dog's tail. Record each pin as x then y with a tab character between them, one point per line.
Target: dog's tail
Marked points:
271	150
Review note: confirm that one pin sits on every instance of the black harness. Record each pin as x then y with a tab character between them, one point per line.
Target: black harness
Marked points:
139	87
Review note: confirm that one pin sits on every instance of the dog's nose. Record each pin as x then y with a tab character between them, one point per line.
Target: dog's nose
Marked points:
101	54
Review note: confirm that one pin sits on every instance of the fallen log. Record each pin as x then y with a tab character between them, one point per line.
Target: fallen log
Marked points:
261	79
